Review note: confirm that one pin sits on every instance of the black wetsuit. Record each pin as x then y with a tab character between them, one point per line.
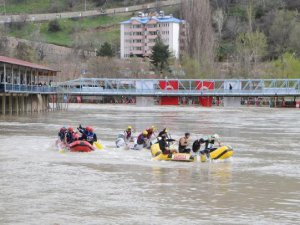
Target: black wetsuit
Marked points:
196	145
163	133
62	135
207	142
207	150
163	144
70	137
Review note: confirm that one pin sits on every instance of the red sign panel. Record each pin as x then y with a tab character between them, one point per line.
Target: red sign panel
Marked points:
169	85
205	85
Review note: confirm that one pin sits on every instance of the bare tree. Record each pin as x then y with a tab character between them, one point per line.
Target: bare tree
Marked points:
219	19
3	43
200	35
103	67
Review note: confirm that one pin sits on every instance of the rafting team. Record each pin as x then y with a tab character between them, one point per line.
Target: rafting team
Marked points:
165	141
68	135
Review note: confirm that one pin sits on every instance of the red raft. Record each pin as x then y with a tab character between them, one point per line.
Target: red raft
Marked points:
81	146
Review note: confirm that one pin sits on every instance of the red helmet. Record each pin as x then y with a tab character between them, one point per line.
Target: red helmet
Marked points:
89	129
71	129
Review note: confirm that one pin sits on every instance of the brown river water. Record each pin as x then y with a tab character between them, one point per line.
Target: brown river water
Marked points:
260	184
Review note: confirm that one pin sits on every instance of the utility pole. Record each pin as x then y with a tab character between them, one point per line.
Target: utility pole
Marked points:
84	5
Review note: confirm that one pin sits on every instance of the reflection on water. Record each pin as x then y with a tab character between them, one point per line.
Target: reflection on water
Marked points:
259	185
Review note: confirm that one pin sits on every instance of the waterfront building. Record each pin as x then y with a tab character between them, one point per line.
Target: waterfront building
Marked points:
26	86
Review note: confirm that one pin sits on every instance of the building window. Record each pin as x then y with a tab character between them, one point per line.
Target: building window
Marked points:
136	26
152	32
137	33
151	25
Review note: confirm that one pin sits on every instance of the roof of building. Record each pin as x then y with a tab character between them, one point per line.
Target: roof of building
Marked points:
19	62
144	20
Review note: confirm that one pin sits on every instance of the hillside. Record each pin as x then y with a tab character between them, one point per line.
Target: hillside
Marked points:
54	6
227	38
86	33
242	38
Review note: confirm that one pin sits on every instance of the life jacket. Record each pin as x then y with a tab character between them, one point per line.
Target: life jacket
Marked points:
89	136
140	139
128	134
150	132
209	142
70	137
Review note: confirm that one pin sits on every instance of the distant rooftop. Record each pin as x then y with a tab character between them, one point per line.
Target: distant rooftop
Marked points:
159	17
19	62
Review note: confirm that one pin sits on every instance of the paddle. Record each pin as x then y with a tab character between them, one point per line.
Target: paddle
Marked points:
98	145
59	146
170	140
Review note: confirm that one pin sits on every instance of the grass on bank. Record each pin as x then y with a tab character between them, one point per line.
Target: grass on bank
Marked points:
44	6
71	28
54	6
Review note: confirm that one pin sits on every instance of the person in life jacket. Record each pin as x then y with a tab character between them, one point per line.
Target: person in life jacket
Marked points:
197	145
209	144
143	139
150	132
87	134
76	137
184	143
210	141
165	146
128	133
164	132
70	135
62	133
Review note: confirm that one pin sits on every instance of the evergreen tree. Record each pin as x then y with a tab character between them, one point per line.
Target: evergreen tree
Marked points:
160	55
105	50
54	26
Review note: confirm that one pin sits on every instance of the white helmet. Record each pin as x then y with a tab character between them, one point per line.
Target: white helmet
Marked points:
215	137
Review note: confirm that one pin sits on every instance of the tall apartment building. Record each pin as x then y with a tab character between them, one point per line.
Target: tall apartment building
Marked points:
138	34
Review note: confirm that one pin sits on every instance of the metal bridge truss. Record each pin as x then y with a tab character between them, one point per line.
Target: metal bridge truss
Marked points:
189	88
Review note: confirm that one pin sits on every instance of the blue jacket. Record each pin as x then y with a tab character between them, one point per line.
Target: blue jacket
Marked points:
88	136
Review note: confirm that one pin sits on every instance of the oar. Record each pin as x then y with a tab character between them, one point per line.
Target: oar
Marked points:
98	145
60	148
170	140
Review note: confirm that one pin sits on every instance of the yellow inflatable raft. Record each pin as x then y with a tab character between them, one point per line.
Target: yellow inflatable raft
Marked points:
221	153
157	155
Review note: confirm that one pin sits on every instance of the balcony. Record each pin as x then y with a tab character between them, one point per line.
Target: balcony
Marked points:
136	30
139	37
21	88
151	36
152	29
137	44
